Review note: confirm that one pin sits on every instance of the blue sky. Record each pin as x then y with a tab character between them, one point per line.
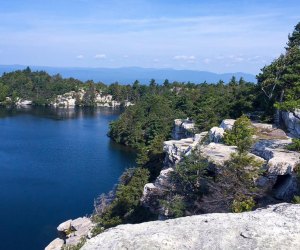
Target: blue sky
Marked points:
215	35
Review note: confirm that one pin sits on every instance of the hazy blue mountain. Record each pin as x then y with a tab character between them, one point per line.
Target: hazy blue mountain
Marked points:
130	74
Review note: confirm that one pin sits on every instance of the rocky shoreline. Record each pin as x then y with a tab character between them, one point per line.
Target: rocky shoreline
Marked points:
74	98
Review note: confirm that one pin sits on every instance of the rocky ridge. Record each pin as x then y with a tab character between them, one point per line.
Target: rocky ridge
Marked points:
270	149
276	227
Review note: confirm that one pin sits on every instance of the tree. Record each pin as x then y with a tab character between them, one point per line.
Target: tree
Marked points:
233	81
280	81
241	135
166	83
3	92
294	38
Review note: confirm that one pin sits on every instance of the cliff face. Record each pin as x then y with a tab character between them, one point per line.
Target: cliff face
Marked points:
279	163
276	227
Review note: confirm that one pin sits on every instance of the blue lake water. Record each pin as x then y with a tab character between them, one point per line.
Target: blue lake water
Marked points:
53	163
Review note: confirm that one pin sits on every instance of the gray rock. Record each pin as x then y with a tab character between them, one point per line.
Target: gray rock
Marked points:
219	153
291	122
227	124
216	134
176	149
64	226
56	244
74	230
280	160
183	128
276	227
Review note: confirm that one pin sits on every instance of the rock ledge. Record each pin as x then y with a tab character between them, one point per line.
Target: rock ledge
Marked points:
275	227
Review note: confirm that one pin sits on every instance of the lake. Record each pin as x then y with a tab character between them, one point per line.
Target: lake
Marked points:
53	163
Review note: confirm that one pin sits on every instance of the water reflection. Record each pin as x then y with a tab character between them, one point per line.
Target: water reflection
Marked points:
58	113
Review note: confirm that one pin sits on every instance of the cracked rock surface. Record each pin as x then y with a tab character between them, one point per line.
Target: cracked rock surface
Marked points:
275	227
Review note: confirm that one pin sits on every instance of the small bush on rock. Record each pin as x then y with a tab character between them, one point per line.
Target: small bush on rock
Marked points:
242	204
240	135
295	145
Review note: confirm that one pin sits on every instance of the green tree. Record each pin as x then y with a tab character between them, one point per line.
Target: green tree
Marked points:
280	81
241	135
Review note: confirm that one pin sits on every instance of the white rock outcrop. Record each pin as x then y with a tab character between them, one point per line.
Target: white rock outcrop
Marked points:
72	231
275	227
183	128
227	124
176	149
72	98
280	161
292	123
23	102
56	244
218	153
68	99
216	134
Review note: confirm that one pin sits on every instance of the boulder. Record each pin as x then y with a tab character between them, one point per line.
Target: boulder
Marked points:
64	226
227	124
183	128
56	244
74	230
216	134
275	227
176	149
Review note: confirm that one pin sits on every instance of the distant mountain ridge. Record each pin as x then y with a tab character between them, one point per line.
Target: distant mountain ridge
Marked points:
128	75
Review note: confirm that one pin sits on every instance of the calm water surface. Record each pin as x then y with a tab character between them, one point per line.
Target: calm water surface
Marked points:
53	163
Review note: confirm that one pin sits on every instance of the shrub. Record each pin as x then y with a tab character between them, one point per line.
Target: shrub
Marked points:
126	201
175	206
240	135
295	145
296	199
189	176
242	204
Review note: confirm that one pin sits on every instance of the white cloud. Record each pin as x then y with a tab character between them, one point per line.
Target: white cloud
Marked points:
80	57
184	58
207	60
100	56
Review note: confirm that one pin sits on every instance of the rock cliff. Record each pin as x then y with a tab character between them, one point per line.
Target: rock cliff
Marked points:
279	164
72	98
276	227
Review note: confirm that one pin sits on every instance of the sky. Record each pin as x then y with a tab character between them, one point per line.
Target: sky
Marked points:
209	35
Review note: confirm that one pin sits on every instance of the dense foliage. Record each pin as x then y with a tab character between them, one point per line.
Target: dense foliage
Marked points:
124	206
295	145
280	81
